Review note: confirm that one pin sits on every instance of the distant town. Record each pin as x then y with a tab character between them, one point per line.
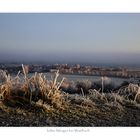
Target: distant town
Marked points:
76	69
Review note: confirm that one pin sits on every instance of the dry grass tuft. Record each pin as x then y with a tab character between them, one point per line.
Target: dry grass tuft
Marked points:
132	92
25	91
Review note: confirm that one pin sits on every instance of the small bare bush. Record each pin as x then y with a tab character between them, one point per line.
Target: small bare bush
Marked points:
85	85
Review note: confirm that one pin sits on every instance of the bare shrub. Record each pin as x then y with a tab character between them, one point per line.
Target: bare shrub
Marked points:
85	85
69	86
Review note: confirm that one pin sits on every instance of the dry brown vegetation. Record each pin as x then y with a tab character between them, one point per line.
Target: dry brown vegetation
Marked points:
35	101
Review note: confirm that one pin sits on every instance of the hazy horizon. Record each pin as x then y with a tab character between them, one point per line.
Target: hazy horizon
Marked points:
70	38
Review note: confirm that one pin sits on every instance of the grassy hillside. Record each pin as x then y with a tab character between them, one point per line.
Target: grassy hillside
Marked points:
35	101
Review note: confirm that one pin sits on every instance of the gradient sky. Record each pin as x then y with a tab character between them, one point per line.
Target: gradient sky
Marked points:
87	38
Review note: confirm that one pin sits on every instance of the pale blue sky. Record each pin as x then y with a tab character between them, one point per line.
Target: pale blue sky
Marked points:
103	38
